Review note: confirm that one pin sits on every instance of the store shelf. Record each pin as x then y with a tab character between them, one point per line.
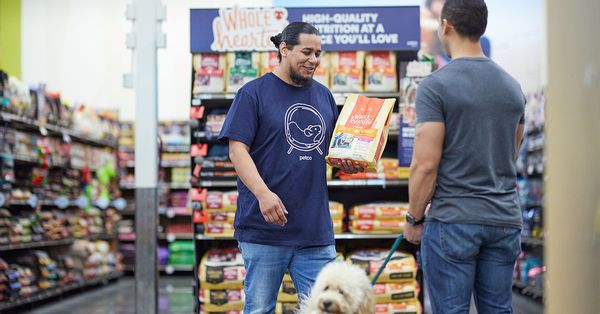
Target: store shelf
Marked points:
176	164
369	182
171	237
532	241
179	186
217	184
176	212
170	269
209	96
176	149
42	244
127	186
43	295
341	236
30	124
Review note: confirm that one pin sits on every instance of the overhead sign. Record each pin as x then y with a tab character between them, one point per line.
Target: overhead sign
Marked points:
342	29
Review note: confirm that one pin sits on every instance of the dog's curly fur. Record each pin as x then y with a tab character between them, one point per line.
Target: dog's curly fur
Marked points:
340	288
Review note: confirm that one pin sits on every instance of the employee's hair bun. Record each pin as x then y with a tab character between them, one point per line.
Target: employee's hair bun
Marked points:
276	40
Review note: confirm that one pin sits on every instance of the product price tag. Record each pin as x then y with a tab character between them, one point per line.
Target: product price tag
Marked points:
120	203
171	237
170	269
196	102
32	201
62	202
170	213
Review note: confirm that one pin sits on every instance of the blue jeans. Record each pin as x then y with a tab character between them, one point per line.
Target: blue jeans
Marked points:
460	260
266	264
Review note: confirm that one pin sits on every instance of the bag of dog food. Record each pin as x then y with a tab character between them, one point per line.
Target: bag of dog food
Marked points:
402	267
336	210
322	72
385	293
220	201
221	217
203	310
381	71
361	131
243	68
222	300
222	269
379	211
268	62
209	73
376	226
409	307
287	293
286	308
347	71
219	230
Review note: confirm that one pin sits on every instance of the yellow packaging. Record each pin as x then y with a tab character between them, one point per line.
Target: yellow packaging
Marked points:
221	217
377	226
381	71
209	73
243	68
268	62
347	71
222	269
409	307
336	210
286	308
338	226
287	293
361	131
220	201
222	300
385	293
219	230
402	267
322	71
380	211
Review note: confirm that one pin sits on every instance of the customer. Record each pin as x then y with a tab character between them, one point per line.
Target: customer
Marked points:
469	129
278	128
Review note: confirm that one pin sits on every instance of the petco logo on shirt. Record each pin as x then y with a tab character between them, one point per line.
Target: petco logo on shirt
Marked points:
247	28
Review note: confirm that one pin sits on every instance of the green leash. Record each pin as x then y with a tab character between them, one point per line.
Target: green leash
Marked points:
387	259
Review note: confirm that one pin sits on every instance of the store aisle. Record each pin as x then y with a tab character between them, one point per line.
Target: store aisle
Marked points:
175	298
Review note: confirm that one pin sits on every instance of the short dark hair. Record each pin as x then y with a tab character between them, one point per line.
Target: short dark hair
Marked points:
469	17
291	35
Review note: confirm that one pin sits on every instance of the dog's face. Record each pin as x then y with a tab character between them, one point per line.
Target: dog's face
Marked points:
341	289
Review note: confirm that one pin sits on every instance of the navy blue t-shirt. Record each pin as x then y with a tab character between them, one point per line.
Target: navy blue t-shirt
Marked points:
288	130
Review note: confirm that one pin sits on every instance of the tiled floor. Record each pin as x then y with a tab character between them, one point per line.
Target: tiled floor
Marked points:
175	298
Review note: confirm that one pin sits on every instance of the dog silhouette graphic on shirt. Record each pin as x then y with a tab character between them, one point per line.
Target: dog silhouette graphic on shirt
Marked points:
305	137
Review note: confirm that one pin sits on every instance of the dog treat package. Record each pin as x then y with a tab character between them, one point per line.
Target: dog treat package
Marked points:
220	201
361	131
379	211
322	72
209	73
268	62
221	217
376	226
347	71
409	307
222	269
381	71
222	300
218	230
287	293
286	308
401	268
394	292
243	68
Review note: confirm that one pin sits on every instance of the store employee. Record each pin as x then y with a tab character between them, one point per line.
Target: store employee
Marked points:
278	129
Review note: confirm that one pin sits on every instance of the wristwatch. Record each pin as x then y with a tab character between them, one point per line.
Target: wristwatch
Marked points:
412	220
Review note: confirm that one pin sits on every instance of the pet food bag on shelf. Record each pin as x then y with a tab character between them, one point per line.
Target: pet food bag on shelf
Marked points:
222	300
268	62
287	293
204	311
347	71
209	73
220	201
379	211
286	308
322	72
221	217
361	131
402	267
409	307
218	230
385	293
222	269
243	68
376	226
381	71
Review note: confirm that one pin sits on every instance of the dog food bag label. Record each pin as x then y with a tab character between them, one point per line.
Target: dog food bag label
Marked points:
393	292
209	73
223	230
243	68
361	131
408	307
347	70
221	217
322	71
268	62
381	72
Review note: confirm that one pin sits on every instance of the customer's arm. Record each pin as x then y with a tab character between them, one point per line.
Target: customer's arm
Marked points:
427	152
271	206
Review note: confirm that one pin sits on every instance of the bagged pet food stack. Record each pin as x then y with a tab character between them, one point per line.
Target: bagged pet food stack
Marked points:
378	218
221	273
347	71
381	71
209	73
322	71
361	131
220	208
268	62
243	68
336	211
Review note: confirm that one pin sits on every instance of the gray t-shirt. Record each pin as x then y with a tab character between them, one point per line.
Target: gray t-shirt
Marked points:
481	107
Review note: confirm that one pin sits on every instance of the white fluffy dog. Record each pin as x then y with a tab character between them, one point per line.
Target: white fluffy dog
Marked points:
340	288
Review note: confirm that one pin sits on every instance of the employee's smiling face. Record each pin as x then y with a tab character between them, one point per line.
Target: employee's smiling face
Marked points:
303	58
